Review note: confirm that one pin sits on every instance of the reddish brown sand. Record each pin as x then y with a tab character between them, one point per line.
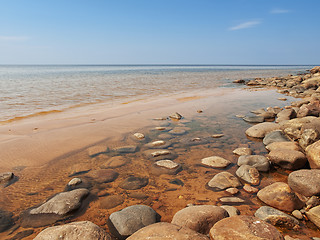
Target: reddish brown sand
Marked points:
43	151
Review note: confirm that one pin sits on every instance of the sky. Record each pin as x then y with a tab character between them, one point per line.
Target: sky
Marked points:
159	32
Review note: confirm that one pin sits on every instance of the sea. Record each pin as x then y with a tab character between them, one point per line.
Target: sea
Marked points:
29	90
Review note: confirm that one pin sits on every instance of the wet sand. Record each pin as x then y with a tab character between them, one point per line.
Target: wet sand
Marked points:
45	151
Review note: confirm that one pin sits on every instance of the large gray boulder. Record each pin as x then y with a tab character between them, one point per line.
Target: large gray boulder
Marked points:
305	181
72	231
127	221
166	231
199	218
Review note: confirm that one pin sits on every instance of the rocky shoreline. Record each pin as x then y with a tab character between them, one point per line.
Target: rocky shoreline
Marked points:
291	136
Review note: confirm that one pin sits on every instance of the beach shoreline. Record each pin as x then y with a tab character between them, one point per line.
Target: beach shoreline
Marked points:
50	149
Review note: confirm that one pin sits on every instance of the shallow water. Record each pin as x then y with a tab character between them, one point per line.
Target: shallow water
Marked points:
35	90
218	116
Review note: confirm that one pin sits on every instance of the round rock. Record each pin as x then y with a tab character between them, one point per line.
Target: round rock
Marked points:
115	162
279	195
254	119
199	218
287	159
242	151
103	175
215	161
223	181
166	231
260	162
305	182
243	228
261	129
111	201
248	174
75	230
132	183
275	136
127	221
276	217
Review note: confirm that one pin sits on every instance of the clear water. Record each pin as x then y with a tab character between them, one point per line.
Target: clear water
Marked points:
29	90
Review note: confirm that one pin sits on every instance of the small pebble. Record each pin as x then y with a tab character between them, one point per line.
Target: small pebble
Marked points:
232	191
199	111
249	189
139	135
297	214
75	181
217	135
282	99
160	128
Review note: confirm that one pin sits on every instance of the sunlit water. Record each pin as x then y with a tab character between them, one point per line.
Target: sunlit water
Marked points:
29	90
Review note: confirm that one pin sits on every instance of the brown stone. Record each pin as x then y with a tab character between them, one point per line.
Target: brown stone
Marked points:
288	159
279	195
103	175
313	154
199	218
111	201
261	129
305	182
243	228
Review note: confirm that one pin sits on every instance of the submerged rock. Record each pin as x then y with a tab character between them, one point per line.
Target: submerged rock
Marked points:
223	181
199	218
133	183
127	221
243	228
6	220
55	208
115	162
166	231
254	119
103	175
165	167
126	149
111	201
75	230
275	136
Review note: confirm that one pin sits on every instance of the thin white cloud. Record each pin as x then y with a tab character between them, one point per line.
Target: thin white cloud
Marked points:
279	11
248	24
14	38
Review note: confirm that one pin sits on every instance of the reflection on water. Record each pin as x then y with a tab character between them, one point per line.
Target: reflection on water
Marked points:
164	193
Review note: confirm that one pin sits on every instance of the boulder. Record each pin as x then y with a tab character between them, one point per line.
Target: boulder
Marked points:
305	182
314	215
279	195
248	174
287	159
199	218
315	70
242	151
243	228
127	221
260	162
283	145
223	180
166	231
275	136
133	183
276	217
55	208
261	129
215	161
313	154
75	230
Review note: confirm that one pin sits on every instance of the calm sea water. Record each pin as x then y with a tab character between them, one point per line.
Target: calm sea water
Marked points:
29	90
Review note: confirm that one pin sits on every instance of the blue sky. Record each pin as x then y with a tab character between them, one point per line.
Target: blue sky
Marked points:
159	32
